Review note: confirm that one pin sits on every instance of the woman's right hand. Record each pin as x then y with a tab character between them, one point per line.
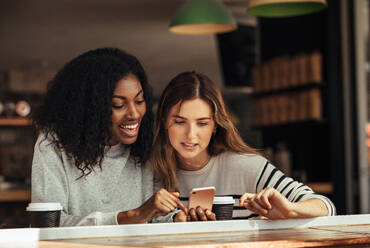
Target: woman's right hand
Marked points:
161	203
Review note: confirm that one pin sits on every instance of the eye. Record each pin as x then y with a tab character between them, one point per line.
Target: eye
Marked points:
203	123
179	122
118	105
139	102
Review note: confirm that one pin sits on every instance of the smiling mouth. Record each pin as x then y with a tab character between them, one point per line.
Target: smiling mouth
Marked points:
130	129
131	126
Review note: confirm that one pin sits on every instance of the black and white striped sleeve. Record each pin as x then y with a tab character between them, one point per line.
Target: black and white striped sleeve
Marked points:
294	191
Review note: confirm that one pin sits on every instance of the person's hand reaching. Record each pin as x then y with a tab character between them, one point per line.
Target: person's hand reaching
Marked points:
268	203
161	203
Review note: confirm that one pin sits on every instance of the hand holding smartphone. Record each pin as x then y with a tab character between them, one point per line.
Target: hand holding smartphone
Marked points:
202	197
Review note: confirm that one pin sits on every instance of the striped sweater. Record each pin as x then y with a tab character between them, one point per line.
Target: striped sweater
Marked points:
234	174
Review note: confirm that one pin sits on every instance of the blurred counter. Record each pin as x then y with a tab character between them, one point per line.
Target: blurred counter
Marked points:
311	232
333	231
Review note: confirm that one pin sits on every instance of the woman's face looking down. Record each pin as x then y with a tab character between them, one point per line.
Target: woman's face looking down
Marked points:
190	126
128	109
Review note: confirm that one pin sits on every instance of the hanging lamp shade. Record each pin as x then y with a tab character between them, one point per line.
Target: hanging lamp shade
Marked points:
202	17
284	8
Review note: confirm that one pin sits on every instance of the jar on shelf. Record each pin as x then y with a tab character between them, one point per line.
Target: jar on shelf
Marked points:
22	108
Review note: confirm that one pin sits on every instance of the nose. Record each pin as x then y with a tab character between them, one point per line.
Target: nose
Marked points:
191	132
132	112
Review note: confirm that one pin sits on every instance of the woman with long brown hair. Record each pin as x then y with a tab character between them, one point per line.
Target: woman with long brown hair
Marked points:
197	145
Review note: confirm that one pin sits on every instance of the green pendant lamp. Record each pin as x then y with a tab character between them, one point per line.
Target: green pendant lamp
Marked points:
202	17
284	8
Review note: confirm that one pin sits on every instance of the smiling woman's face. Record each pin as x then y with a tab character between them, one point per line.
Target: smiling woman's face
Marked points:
128	109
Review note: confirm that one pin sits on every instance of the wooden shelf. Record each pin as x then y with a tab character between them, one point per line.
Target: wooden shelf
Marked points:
294	124
292	89
321	187
231	90
236	93
15	195
15	121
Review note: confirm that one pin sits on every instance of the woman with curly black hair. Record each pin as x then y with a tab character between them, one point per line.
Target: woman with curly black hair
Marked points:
95	137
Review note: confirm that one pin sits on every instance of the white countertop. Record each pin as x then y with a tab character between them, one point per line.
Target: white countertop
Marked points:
30	236
196	227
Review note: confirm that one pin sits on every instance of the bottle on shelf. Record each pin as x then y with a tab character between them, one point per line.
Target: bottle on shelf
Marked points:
9	108
1	108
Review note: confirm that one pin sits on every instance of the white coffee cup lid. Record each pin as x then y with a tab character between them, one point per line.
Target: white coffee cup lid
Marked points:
44	206
223	200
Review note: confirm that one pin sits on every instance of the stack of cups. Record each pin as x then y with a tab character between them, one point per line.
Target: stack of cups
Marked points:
46	214
223	207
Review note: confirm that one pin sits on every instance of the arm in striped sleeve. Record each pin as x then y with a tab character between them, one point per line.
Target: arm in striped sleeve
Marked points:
303	198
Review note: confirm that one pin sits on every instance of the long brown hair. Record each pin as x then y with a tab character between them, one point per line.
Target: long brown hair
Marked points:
183	87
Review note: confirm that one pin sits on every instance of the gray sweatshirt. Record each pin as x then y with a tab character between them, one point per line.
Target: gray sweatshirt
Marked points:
95	199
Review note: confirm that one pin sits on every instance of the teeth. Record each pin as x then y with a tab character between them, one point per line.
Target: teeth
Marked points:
189	144
130	126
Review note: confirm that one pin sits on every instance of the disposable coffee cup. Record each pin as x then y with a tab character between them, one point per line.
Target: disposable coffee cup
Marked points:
44	214
223	207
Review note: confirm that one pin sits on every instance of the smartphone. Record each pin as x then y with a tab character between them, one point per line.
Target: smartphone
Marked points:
202	197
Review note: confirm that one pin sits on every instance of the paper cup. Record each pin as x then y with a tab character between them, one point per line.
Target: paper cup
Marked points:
45	214
223	207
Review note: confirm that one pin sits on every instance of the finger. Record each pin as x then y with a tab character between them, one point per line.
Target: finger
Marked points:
181	206
210	215
172	202
261	198
255	207
173	199
167	204
176	203
258	200
180	217
201	215
264	200
175	194
193	214
245	197
164	210
163	197
247	204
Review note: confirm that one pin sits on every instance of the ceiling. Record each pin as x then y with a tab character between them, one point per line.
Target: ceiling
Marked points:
47	33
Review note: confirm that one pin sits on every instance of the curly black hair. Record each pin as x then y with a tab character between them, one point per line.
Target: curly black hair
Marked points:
77	108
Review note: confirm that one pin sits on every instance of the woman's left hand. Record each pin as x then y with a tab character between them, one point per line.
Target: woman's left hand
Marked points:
200	214
269	203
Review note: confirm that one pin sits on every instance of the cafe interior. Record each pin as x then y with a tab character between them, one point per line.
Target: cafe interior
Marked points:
296	84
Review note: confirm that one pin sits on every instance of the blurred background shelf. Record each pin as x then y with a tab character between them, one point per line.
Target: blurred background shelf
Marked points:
321	187
299	124
15	121
290	89
15	195
235	90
